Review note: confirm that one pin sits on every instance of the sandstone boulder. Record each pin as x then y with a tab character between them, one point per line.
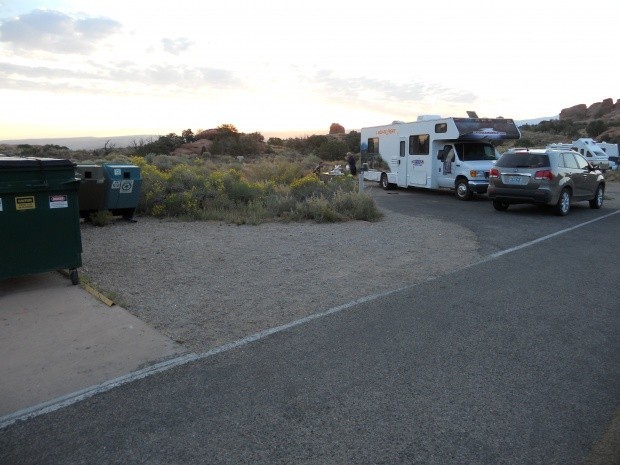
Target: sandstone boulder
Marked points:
195	148
599	109
576	112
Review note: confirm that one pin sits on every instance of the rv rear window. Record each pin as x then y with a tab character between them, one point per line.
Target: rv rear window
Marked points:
441	127
418	145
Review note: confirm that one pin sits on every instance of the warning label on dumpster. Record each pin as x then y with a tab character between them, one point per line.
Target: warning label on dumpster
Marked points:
58	201
25	203
116	184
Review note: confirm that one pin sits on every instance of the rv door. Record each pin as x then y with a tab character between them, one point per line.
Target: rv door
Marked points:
419	162
402	163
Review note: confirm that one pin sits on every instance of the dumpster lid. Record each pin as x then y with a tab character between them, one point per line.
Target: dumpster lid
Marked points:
32	162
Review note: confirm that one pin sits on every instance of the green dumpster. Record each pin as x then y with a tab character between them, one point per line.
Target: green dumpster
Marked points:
123	189
92	190
39	217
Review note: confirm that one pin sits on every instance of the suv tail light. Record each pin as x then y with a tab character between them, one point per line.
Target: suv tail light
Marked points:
494	173
544	174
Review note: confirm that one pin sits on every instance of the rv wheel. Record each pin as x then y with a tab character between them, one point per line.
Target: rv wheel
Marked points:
463	192
384	182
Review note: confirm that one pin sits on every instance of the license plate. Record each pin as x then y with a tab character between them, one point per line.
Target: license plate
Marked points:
516	180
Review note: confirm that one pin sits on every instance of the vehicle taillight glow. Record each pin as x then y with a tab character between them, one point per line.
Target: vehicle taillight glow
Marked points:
544	174
494	173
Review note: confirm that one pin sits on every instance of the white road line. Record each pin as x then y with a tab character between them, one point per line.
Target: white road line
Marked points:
69	399
549	236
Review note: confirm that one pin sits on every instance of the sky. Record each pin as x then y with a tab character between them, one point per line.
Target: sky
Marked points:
72	68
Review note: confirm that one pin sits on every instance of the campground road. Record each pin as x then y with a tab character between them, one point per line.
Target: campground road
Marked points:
495	230
513	360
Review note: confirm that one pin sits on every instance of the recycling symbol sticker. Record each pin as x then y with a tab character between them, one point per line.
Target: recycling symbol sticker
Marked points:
127	186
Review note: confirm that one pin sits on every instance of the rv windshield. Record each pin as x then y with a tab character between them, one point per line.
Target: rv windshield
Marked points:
475	151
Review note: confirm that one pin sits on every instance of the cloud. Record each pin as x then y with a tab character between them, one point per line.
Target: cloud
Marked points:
115	77
361	88
56	32
176	46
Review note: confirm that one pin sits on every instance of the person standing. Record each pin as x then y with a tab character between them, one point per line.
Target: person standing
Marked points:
351	162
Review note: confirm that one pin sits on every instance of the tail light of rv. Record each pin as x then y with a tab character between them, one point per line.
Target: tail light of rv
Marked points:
544	174
494	173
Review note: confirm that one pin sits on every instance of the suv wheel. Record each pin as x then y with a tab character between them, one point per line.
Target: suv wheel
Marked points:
563	206
463	192
597	201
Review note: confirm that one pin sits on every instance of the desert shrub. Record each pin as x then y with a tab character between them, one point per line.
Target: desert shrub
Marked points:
183	204
279	171
319	209
306	187
525	142
165	162
353	205
596	128
612	175
101	218
250	193
332	149
154	187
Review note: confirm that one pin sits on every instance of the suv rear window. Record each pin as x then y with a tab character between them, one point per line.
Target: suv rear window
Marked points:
523	160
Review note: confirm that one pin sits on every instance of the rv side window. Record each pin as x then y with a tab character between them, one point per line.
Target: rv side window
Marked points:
418	145
441	127
373	145
402	148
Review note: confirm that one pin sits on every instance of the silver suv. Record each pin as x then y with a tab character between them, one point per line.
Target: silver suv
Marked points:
545	177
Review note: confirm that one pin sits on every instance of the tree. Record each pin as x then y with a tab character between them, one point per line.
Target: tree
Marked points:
353	141
228	129
331	150
595	128
188	136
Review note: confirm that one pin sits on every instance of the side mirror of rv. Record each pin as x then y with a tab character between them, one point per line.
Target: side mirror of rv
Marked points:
441	155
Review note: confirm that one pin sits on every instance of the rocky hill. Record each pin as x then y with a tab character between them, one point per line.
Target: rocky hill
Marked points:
574	122
606	111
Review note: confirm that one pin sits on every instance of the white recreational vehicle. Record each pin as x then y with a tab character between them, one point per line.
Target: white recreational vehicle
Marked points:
435	153
612	152
589	149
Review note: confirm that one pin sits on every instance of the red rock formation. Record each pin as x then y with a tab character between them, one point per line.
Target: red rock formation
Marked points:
576	112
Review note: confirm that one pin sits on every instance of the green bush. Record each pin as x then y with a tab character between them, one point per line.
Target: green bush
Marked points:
265	190
101	218
332	149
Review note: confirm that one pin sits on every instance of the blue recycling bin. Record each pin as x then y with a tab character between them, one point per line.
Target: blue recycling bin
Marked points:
123	189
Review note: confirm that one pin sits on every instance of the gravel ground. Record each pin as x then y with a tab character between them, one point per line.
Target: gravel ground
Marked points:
206	283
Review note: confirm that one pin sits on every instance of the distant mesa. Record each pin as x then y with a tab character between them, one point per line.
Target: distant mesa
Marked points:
606	110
